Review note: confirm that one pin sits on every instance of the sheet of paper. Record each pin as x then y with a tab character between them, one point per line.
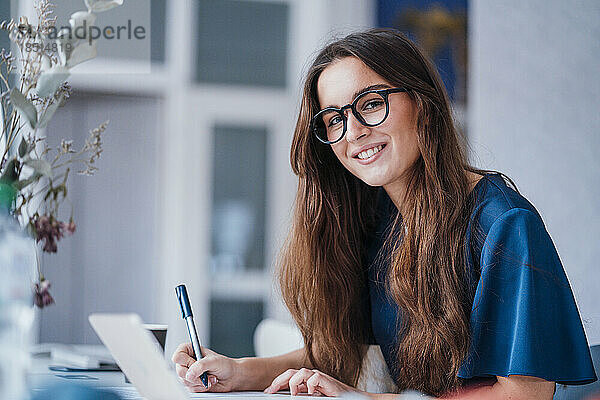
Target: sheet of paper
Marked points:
130	393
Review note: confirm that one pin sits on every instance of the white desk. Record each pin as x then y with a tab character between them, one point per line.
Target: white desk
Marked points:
40	377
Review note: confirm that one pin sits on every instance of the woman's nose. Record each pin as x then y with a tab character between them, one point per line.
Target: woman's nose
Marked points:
354	129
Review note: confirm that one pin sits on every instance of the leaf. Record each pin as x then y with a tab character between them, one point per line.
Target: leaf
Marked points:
25	106
47	115
50	80
10	172
102	5
23	148
19	185
65	41
40	166
82	19
82	52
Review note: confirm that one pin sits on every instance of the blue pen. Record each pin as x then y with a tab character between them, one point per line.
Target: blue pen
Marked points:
186	310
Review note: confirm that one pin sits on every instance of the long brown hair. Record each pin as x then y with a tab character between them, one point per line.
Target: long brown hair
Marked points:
322	272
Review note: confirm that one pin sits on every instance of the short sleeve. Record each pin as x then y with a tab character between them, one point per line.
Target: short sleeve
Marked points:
524	319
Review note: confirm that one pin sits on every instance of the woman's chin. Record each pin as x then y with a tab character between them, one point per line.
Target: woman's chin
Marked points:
374	181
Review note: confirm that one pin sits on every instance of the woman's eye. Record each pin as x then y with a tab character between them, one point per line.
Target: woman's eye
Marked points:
373	104
334	121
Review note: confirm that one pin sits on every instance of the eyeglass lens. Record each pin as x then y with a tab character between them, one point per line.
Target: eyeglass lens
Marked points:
371	108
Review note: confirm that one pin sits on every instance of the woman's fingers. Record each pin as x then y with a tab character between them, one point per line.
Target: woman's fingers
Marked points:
193	388
183	361
181	370
281	382
317	384
198	387
208	363
183	355
222	371
313	382
284	381
299	378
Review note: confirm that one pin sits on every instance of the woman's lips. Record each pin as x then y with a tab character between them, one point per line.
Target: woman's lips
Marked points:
373	158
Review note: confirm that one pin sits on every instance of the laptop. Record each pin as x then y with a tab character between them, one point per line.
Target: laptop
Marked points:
141	358
139	355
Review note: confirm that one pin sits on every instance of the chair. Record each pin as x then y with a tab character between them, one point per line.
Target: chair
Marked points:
273	337
564	392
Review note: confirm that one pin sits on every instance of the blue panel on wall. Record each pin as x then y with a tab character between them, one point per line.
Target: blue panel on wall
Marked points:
242	42
232	325
440	28
4	16
158	19
239	197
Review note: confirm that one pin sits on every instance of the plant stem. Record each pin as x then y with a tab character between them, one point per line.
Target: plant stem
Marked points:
38	263
9	133
72	160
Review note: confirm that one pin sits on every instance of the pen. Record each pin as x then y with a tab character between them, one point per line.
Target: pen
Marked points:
186	310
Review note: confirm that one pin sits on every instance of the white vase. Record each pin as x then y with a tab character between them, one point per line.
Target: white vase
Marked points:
17	272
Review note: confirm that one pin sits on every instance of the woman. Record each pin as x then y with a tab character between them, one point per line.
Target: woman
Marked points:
397	241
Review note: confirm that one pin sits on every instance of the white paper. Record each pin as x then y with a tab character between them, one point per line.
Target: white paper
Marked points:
130	393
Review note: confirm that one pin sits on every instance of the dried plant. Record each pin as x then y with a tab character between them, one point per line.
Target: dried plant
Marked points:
33	175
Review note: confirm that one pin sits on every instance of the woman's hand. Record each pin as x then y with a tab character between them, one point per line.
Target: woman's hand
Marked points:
309	381
222	371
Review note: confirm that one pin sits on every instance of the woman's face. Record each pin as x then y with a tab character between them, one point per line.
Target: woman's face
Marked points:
337	86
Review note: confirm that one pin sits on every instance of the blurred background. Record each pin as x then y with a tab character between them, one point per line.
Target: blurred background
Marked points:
195	185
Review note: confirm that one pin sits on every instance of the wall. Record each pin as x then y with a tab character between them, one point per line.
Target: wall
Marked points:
109	264
533	114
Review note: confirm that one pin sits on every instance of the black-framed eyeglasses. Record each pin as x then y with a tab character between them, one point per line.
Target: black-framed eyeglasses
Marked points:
370	108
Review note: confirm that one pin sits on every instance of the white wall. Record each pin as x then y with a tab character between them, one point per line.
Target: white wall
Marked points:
109	264
534	101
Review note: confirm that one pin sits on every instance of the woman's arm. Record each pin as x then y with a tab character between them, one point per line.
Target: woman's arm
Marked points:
257	373
514	387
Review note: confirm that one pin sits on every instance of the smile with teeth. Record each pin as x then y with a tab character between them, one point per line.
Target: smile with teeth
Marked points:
369	153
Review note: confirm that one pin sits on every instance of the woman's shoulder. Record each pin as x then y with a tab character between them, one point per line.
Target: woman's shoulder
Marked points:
494	199
521	295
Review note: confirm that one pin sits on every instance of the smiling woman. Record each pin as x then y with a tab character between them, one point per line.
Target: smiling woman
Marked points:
391	138
398	241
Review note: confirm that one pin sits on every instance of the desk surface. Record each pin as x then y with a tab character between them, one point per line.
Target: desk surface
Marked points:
40	377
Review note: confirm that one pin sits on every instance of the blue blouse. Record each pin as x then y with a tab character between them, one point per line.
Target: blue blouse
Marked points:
524	320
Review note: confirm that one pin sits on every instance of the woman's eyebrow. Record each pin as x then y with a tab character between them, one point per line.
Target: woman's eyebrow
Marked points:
361	91
366	89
